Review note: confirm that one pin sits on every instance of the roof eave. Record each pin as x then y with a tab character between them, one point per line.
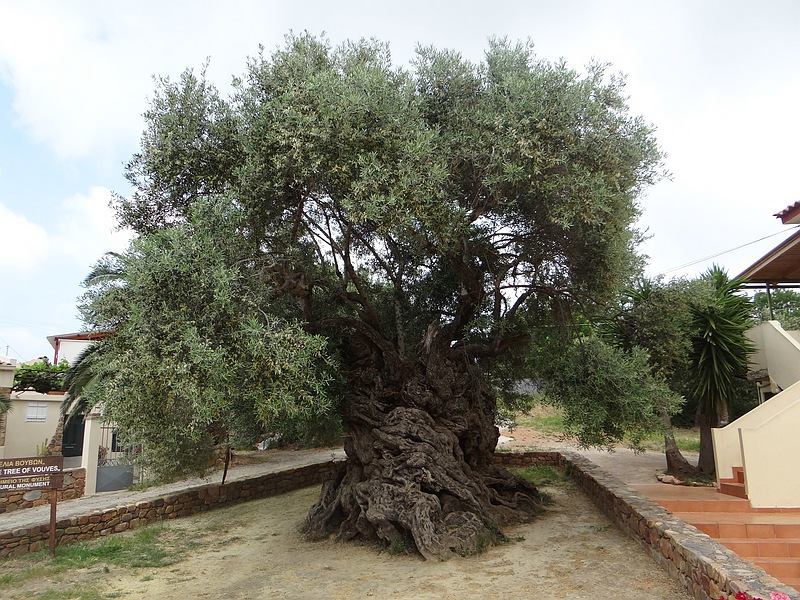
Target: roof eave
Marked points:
787	244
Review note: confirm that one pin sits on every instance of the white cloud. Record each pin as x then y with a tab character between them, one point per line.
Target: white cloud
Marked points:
66	88
23	244
719	79
85	230
82	72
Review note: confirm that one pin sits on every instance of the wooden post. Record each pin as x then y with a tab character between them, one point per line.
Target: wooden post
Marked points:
53	502
769	303
227	463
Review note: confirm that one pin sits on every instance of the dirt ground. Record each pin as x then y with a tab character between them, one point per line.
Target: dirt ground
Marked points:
254	550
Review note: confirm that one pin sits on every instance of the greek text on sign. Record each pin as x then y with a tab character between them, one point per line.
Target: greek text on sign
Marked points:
35	466
42	482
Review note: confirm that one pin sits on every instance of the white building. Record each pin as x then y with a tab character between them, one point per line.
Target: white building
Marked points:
33	418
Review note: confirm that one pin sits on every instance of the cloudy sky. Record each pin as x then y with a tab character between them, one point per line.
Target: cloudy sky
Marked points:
719	80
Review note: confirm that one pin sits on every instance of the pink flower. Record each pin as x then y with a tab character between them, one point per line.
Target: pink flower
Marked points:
778	596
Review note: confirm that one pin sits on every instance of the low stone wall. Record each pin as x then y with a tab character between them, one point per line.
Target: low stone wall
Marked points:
706	568
74	486
193	500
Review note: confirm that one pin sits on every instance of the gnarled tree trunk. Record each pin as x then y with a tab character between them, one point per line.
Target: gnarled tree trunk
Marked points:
676	462
705	463
420	441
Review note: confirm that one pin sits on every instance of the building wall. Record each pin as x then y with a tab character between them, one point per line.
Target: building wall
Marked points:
6	381
7	376
22	437
71	349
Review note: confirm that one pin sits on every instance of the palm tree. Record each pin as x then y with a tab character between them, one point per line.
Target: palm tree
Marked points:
87	370
719	355
83	374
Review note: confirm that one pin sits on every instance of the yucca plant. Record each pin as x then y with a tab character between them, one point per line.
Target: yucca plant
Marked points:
719	354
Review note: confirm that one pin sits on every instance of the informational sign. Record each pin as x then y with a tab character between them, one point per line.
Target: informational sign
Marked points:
35	473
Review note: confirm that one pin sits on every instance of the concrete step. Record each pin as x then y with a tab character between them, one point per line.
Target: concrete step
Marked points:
732	488
751	548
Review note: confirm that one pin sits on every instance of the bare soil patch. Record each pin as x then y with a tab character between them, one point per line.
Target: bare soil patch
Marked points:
254	550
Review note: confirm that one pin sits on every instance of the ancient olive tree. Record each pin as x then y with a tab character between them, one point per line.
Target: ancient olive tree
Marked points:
425	221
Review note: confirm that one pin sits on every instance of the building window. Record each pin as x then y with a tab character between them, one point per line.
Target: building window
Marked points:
37	412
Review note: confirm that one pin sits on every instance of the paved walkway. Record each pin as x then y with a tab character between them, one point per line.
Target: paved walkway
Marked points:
629	467
278	460
623	463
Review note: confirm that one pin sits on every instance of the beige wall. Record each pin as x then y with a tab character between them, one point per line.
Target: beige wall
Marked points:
770	457
23	436
727	447
770	453
7	376
71	349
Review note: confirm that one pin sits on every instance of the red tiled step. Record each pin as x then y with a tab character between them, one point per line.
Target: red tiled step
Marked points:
792	582
751	548
732	488
779	567
724	504
762	526
738	474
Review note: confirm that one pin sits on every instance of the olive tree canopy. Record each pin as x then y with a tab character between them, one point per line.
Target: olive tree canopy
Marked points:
428	221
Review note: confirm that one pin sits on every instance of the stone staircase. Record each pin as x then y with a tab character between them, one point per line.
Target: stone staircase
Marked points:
767	537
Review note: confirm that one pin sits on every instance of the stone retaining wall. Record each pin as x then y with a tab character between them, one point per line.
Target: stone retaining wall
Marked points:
74	486
193	500
706	568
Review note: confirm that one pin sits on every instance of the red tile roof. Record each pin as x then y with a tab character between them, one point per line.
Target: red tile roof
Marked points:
789	213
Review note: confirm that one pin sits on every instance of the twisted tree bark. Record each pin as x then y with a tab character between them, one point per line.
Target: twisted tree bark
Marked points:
420	440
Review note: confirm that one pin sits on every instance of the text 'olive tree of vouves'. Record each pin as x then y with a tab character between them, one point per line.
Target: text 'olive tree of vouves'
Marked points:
421	219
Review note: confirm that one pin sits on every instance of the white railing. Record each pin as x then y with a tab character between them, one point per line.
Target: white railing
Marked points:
778	352
763	439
